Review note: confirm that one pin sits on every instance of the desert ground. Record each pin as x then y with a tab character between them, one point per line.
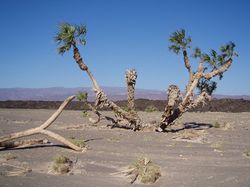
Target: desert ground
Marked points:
208	150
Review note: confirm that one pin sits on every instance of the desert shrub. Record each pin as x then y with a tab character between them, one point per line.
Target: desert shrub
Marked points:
61	164
144	170
78	142
217	125
247	153
85	113
151	108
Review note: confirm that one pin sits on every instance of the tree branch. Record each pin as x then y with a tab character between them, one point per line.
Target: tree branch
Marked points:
189	68
41	129
218	71
101	98
201	99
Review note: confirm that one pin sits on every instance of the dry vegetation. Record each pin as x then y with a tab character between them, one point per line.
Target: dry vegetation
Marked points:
62	164
143	170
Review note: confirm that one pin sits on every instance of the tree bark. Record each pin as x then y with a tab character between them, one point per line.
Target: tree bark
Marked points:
131	76
41	130
218	71
189	68
173	109
173	98
101	98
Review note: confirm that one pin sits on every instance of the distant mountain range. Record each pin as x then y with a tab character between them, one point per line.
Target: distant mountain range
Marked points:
60	93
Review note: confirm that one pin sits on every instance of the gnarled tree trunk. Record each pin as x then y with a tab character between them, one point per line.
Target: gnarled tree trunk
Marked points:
131	76
101	98
175	107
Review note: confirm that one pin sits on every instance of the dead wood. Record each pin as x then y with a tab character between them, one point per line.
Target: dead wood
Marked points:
175	109
101	98
42	130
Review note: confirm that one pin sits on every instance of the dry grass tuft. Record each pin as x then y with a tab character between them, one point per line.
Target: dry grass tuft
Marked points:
143	170
78	142
247	153
62	164
224	125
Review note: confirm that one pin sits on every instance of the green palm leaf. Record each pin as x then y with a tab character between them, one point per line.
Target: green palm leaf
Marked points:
69	35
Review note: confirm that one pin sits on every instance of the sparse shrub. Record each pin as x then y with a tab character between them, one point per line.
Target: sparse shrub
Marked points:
144	170
85	113
78	142
219	125
247	153
62	164
223	126
151	108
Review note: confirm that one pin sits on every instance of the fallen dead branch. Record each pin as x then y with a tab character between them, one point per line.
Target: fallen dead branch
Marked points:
43	130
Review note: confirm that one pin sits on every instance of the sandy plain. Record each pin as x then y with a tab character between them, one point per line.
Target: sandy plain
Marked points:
215	157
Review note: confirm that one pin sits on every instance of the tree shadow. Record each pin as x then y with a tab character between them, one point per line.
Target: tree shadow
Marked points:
119	126
191	125
35	146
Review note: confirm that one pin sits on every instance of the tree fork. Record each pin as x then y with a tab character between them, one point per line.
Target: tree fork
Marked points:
42	130
101	98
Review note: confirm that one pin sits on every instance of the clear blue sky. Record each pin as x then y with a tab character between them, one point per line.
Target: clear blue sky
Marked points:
121	34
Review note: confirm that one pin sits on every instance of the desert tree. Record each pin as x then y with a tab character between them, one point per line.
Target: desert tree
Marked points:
69	37
200	84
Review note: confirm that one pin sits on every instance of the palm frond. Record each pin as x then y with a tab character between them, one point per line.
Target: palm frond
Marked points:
205	58
213	54
179	39
61	50
175	49
197	53
228	50
69	35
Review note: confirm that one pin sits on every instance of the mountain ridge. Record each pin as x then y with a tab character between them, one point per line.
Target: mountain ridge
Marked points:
114	93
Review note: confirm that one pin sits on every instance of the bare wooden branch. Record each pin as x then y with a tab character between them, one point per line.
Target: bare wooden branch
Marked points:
218	71
173	109
189	68
41	129
203	98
